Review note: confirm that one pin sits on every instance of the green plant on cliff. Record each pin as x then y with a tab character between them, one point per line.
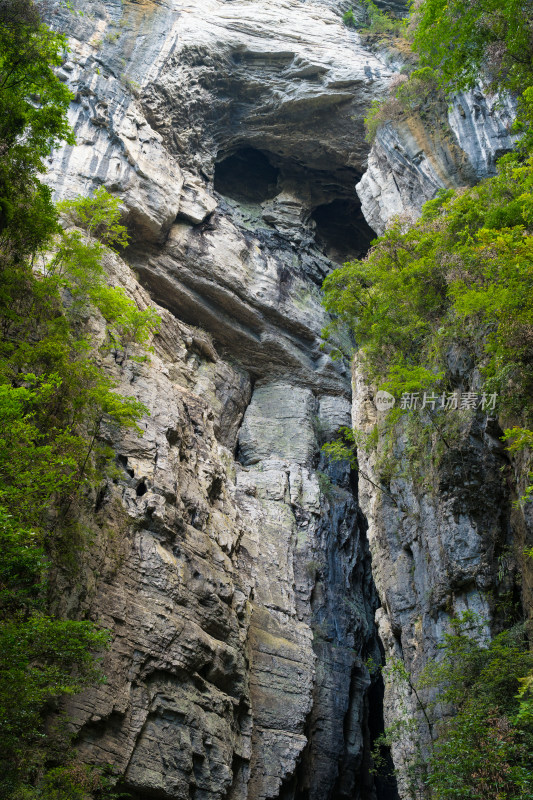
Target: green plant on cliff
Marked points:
54	400
461	43
464	39
417	94
460	278
379	24
484	750
349	19
480	748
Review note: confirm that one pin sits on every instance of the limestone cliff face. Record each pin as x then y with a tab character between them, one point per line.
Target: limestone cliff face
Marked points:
439	547
451	539
229	559
454	541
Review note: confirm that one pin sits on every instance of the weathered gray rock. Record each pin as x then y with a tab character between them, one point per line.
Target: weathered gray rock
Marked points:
116	147
437	548
410	162
229	560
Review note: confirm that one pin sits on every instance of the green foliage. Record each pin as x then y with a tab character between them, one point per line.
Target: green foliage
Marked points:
42	658
460	43
464	39
380	23
78	261
99	216
480	749
33	105
55	401
418	94
460	278
343	448
484	749
374	23
349	19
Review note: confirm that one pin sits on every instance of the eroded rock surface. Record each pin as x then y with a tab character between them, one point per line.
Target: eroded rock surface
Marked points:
410	161
445	539
229	559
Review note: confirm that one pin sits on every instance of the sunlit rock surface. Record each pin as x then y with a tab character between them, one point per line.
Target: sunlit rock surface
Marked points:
410	162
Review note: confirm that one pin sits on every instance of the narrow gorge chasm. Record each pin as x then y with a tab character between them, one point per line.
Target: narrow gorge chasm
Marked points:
251	584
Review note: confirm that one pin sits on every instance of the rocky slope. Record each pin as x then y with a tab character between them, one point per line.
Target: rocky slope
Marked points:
229	559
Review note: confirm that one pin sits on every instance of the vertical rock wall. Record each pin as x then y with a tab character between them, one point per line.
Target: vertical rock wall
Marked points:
450	540
227	557
439	547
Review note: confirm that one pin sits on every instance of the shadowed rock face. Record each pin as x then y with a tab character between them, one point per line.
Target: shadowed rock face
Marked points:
342	230
247	175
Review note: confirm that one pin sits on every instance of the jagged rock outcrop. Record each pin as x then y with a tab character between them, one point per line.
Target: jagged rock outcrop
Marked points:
229	560
410	160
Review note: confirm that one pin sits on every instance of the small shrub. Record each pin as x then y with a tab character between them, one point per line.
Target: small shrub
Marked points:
381	24
325	484
417	94
349	19
313	568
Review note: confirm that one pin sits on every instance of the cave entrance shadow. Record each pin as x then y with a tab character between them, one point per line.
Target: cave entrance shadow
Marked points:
341	230
246	175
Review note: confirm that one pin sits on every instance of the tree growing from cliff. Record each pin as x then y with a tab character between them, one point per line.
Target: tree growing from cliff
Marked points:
484	749
460	277
465	39
479	718
54	398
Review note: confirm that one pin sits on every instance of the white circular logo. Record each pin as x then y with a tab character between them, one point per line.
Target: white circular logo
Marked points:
384	401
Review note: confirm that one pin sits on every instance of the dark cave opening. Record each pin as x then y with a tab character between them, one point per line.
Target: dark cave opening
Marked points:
246	175
341	230
385	784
